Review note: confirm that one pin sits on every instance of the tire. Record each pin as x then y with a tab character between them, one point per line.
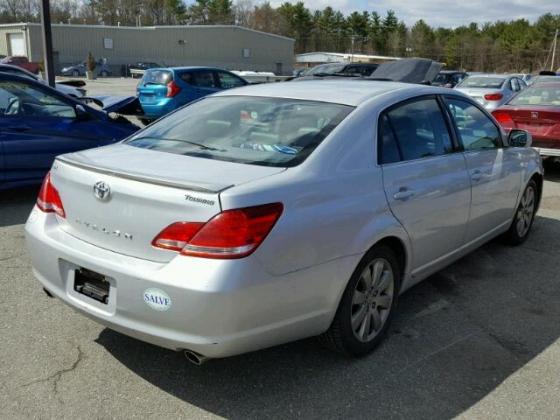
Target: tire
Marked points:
145	121
104	74
524	216
75	73
360	337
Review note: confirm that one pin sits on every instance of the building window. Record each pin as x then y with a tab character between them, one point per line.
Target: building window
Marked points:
108	43
246	53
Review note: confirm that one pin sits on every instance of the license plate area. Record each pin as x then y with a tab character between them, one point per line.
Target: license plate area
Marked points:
92	285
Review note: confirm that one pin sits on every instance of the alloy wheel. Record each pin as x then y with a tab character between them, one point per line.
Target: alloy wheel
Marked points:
372	299
525	211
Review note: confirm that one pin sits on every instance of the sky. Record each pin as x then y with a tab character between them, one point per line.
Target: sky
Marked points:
447	13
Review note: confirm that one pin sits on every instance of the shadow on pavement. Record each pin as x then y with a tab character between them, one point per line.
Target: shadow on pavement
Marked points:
15	205
457	336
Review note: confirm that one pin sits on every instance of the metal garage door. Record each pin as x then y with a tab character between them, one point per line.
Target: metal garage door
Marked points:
16	44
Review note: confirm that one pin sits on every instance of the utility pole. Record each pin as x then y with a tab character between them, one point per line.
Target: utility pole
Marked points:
554	50
47	42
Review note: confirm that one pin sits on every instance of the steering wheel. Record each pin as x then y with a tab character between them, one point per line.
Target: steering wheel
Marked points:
14	107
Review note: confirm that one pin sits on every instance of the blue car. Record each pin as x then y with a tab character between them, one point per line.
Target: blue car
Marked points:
38	123
163	90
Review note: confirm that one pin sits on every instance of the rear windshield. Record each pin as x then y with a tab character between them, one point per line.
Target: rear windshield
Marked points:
157	77
544	95
482	82
262	131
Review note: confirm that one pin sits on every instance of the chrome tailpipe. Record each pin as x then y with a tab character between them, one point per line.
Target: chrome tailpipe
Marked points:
195	358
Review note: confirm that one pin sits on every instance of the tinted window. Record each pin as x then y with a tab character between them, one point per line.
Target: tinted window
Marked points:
262	131
476	130
19	99
388	147
228	80
202	79
420	129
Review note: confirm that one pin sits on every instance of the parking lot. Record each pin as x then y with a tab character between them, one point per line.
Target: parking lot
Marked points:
480	339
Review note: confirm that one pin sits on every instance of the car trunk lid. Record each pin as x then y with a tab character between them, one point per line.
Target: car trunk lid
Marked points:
543	122
145	191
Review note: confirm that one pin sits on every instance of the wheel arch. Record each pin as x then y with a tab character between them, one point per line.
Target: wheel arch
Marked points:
539	180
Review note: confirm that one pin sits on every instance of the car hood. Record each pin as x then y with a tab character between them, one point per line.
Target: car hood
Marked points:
408	70
124	105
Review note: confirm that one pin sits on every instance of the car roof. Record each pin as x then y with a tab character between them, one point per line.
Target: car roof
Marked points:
184	68
347	92
498	76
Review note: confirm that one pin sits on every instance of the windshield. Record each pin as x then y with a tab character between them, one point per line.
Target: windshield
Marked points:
262	131
157	77
544	95
482	82
326	69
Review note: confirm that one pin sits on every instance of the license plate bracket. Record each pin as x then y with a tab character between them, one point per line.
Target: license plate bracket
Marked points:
92	285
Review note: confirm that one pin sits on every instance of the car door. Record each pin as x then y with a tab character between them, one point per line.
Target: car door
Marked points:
35	126
204	83
425	179
494	170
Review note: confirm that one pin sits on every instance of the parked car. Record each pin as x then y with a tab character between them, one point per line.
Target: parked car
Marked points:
339	69
491	90
163	90
537	110
449	78
74	91
274	212
102	69
37	123
21	61
543	78
526	77
141	66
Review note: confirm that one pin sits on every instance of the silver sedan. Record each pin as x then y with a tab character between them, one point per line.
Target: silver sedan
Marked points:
270	213
491	90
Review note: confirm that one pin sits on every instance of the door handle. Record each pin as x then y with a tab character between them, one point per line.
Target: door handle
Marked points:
403	194
476	175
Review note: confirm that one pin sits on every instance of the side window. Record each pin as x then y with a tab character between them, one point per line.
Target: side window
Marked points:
514	85
19	99
228	81
203	79
420	129
476	130
388	150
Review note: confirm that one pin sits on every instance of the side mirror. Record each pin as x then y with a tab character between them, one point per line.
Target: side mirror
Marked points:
520	138
82	114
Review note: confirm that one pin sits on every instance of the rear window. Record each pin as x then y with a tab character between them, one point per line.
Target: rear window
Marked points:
157	77
261	131
482	82
543	95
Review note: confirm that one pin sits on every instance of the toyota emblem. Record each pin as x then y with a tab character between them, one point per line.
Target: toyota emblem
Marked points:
101	191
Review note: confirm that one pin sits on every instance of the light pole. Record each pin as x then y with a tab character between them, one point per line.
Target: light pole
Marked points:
47	42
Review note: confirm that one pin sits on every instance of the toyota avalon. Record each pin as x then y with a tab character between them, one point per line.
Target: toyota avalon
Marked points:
270	213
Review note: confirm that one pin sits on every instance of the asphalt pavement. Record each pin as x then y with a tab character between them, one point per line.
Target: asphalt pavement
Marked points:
479	340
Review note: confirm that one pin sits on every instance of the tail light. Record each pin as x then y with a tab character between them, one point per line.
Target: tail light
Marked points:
49	200
172	89
504	119
228	235
493	96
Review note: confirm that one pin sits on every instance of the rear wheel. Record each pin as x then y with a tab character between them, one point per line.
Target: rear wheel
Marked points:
75	73
104	74
524	216
367	305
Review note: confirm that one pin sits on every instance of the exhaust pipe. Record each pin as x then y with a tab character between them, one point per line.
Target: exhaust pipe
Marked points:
195	358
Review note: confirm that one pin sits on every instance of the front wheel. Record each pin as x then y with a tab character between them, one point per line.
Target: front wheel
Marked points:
367	305
524	216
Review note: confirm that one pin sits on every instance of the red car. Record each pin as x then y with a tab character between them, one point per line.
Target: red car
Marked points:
22	62
537	110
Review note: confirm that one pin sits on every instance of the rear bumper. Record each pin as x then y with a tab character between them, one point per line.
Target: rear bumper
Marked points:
218	308
158	109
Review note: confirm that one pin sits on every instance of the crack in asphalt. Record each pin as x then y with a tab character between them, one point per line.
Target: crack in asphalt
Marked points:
11	257
57	376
